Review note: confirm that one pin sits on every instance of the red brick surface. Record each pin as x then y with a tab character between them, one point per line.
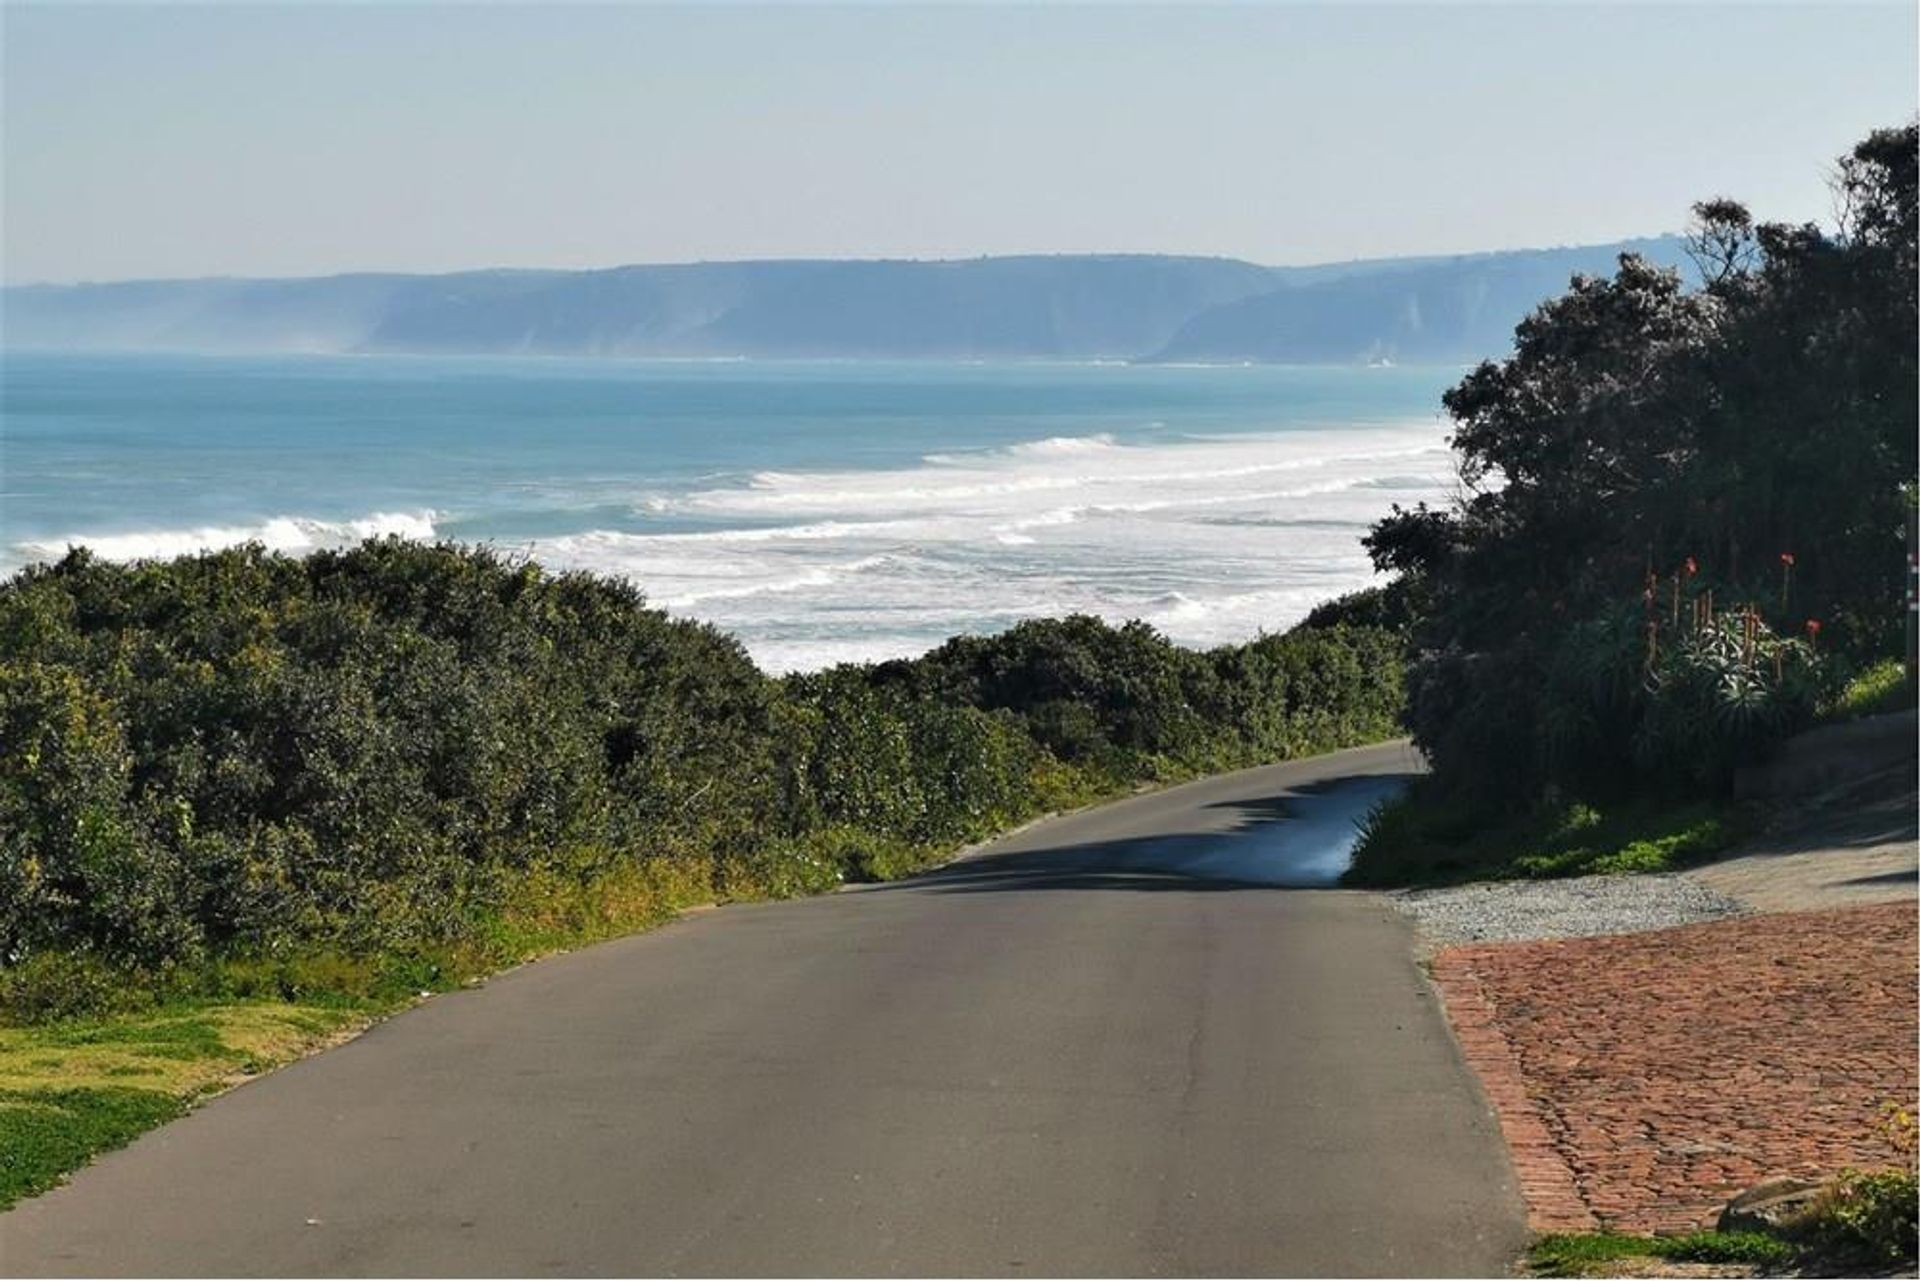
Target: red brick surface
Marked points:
1643	1079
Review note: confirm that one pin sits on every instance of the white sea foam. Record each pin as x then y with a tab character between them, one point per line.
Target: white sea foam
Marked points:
1063	446
1210	540
293	534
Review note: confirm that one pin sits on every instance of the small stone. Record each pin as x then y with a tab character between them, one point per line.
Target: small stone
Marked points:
1768	1204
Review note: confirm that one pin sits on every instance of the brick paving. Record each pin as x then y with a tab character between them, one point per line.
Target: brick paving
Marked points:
1643	1079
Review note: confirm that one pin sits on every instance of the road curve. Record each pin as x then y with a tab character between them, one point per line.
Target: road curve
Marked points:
1098	1047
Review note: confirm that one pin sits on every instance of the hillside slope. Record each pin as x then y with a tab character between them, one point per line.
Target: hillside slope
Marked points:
1116	307
1454	309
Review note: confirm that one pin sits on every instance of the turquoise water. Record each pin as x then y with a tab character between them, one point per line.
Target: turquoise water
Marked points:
821	511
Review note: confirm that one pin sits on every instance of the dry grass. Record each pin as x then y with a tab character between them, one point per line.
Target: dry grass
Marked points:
183	1052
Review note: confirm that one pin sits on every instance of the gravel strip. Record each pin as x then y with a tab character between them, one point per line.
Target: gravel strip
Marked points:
1577	907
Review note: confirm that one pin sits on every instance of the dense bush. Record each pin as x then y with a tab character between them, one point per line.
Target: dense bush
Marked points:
381	751
242	749
1120	699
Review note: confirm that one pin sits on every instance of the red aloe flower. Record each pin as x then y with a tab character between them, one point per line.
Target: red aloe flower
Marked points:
1693	567
1786	558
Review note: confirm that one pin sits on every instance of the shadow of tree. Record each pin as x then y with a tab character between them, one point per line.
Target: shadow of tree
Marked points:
1290	837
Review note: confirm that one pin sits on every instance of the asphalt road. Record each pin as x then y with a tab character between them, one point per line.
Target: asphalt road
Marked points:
1100	1046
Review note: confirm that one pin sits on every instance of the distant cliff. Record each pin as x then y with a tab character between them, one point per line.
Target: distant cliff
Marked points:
1453	309
1116	307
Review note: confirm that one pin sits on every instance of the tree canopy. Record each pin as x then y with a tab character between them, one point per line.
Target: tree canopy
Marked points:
1749	443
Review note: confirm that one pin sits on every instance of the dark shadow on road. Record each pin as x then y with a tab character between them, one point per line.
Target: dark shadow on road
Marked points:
1885	878
1877	810
1844	834
1139	865
1299	838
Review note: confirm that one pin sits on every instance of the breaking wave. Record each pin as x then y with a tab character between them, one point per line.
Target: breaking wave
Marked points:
292	534
1210	540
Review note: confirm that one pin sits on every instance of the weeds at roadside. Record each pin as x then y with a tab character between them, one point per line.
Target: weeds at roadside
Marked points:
1864	1223
1870	1219
1879	689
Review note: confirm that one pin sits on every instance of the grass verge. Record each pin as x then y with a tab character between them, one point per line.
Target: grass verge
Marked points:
1587	1254
72	1089
1419	838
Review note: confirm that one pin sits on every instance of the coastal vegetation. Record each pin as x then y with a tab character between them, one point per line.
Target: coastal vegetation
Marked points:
1682	538
378	770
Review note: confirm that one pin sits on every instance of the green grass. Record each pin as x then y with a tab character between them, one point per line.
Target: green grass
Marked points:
46	1132
1420	838
1881	688
74	1088
1583	1254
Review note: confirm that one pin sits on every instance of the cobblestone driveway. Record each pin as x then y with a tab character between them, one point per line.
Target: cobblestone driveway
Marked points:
1642	1079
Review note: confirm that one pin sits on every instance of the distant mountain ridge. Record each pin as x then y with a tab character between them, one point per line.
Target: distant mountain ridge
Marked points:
1142	307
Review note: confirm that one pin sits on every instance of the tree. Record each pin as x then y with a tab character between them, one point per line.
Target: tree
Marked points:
1721	241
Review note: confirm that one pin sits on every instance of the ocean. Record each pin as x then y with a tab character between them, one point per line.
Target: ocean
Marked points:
820	511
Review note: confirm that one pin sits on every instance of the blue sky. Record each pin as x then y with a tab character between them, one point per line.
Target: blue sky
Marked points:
295	140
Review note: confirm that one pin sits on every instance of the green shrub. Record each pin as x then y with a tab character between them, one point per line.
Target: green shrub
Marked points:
1085	689
1866	1218
65	984
1395	607
1477	717
1631	701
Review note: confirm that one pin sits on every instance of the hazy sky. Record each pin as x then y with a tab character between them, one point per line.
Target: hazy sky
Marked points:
293	140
